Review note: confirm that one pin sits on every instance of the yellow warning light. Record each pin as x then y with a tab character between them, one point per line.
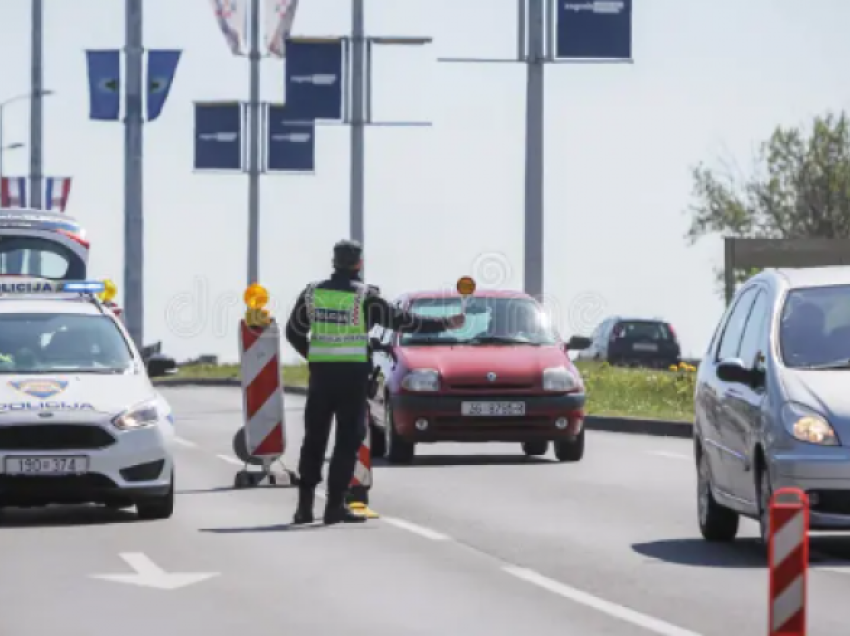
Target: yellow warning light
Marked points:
109	291
465	286
256	296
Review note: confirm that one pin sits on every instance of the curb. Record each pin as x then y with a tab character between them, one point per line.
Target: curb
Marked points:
627	425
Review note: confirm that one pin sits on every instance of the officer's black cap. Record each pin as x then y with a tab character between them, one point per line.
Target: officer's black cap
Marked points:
347	254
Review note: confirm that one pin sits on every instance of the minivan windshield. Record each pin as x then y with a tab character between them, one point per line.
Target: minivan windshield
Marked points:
39	257
489	321
814	328
61	343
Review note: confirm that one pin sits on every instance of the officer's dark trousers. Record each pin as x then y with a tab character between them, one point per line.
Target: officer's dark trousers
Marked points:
337	390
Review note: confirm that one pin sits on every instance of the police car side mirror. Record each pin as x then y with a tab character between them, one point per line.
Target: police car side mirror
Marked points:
159	366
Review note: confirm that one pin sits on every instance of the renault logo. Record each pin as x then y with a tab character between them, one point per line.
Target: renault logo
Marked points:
491	376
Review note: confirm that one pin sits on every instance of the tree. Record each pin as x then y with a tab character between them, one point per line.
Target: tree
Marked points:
800	188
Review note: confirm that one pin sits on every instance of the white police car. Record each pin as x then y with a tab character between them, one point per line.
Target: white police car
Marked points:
80	421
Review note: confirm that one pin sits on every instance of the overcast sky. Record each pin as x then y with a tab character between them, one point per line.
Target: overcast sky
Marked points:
711	78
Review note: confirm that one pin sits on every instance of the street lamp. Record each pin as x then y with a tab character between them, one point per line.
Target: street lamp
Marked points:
11	100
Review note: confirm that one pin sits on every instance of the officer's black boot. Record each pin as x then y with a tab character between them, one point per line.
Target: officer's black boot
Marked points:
337	511
306	499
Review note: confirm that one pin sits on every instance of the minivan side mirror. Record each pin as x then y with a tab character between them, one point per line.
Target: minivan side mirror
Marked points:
735	371
578	343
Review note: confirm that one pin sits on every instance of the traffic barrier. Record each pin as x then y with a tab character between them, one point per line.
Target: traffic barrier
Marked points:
361	481
262	439
789	562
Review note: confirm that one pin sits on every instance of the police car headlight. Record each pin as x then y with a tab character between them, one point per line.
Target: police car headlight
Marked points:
140	416
559	379
422	380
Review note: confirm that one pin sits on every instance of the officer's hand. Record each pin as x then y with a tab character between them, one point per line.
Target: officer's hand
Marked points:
456	322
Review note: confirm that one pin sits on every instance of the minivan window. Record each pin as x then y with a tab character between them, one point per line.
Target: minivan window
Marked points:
814	327
643	330
752	340
730	341
18	257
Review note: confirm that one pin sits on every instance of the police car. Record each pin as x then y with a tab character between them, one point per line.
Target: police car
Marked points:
80	421
43	244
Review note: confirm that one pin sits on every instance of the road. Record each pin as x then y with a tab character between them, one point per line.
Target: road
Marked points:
473	540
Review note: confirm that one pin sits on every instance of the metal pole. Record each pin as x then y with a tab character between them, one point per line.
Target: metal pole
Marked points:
534	125
254	156
358	123
36	120
133	175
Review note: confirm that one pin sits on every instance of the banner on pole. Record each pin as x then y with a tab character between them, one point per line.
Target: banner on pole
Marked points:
313	80
57	190
594	30
219	141
13	192
291	147
104	74
280	15
162	65
232	19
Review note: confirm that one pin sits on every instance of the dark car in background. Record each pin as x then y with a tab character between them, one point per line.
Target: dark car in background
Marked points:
634	342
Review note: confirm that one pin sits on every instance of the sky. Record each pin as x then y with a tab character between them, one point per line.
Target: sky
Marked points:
710	80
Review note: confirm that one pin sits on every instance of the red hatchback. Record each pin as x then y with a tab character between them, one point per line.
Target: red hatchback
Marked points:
506	376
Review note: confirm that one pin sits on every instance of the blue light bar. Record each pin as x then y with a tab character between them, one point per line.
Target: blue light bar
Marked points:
31	286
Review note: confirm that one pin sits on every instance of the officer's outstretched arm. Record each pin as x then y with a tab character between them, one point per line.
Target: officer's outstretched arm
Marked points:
381	313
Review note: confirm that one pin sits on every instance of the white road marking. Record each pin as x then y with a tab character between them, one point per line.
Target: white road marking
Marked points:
416	529
648	623
230	460
183	442
679	456
148	574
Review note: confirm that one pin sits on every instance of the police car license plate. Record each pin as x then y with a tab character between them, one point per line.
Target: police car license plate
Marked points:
46	465
492	409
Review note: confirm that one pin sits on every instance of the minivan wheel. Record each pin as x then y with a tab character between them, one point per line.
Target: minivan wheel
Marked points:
398	449
717	523
765	494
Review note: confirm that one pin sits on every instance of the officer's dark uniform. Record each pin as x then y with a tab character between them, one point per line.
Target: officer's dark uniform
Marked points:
340	388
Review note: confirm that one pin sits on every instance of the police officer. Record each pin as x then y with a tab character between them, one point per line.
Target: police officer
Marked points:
329	327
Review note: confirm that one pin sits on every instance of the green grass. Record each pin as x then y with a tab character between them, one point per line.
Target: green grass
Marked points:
613	391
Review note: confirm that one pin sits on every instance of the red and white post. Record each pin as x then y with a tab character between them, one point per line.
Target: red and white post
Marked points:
264	433
361	482
789	562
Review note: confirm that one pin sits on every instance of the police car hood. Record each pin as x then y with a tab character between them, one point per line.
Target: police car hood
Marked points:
84	394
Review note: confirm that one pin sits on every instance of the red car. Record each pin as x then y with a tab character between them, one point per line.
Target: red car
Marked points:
506	376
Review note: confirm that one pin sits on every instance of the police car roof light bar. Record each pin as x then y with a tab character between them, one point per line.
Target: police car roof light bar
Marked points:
39	286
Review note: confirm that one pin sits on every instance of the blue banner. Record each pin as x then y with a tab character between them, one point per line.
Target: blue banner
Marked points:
594	30
291	147
162	65
218	136
313	80
104	73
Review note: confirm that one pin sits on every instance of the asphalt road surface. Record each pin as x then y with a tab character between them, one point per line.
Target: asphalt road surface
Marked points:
473	540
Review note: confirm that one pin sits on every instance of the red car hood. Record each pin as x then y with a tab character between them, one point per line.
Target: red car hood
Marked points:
471	364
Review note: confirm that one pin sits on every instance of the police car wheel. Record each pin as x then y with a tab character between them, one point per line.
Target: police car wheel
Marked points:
157	508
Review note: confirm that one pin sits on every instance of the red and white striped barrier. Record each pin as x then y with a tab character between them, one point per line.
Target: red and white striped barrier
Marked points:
361	481
789	562
263	437
262	390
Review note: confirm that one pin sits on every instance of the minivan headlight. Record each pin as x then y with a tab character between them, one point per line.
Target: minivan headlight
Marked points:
559	379
140	416
807	426
422	380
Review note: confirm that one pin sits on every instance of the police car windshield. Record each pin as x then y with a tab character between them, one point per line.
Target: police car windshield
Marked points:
57	343
489	321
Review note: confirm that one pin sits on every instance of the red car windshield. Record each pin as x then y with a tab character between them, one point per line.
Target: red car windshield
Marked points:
488	321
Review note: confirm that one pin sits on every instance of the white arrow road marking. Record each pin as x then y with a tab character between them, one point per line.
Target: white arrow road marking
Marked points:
148	574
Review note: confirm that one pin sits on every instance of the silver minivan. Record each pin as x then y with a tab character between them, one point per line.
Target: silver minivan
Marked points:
42	244
772	402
